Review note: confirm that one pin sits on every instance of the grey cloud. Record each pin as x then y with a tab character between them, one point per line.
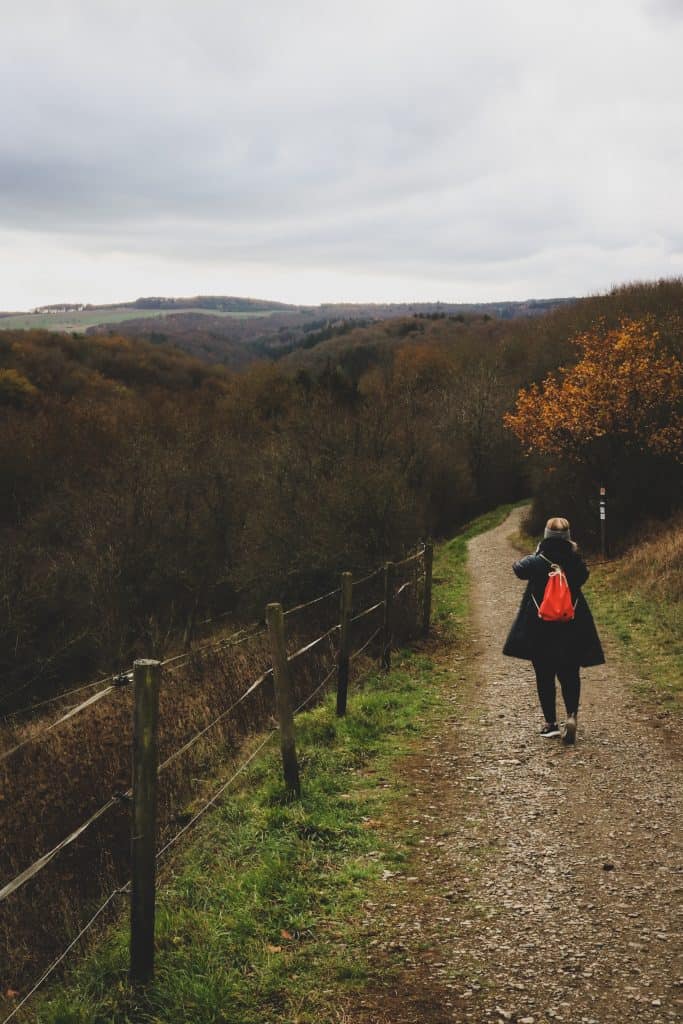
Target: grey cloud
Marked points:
431	140
664	8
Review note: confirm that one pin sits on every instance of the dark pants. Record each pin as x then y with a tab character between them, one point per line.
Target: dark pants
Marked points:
546	667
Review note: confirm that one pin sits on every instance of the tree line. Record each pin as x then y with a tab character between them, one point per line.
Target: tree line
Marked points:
144	490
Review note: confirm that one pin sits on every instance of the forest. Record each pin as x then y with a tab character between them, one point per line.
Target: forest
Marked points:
144	489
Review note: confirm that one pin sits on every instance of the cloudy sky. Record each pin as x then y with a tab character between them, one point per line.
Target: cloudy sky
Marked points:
312	150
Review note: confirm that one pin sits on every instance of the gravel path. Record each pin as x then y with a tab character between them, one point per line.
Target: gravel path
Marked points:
548	880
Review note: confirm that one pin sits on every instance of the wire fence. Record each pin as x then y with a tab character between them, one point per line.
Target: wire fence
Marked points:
361	650
371	576
60	721
63	955
310	604
202	732
337	645
119	680
60	696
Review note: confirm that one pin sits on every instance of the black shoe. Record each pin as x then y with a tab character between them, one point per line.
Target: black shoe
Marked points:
569	734
550	730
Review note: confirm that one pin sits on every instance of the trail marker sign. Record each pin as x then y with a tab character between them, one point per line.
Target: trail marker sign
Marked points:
603	522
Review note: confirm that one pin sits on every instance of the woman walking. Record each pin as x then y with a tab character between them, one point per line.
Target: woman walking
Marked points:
558	642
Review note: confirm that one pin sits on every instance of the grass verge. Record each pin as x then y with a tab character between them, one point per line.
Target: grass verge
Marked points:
451	606
258	919
647	629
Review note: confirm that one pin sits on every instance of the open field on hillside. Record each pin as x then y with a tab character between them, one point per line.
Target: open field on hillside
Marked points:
80	321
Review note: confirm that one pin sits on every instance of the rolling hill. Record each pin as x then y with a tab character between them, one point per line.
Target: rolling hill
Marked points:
235	331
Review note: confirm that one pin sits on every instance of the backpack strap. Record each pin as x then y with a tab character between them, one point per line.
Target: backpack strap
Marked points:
538	607
553	565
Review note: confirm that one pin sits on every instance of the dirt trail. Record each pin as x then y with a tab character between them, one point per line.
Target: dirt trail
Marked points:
548	882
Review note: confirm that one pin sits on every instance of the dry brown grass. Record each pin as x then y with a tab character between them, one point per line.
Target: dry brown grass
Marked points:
58	780
656	564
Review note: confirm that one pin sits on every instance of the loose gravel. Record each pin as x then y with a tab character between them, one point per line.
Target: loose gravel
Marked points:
546	881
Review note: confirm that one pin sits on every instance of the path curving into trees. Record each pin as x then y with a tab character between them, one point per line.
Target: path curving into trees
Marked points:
548	882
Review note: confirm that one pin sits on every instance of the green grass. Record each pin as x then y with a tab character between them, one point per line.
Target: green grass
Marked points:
647	629
451	606
258	921
80	320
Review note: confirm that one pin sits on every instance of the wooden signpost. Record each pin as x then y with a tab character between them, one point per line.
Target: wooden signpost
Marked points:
344	641
388	623
603	522
283	696
427	609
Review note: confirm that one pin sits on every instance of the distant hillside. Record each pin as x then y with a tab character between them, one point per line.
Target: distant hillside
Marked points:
73	318
233	340
218	303
234	331
353	345
505	310
238	337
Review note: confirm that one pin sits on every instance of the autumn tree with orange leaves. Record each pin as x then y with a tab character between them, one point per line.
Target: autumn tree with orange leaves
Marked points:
624	394
615	418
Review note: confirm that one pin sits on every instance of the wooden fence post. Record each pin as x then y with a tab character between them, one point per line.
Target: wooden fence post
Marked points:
344	641
387	632
146	676
283	696
427	611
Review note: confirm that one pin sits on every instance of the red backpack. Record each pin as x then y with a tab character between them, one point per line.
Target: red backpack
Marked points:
556	605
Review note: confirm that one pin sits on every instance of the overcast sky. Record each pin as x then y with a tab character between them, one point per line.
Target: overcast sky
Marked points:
310	151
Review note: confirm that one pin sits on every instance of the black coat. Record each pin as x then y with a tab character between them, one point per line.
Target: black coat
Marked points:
575	642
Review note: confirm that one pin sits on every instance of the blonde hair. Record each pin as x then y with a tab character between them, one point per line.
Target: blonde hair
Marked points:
560	523
557	523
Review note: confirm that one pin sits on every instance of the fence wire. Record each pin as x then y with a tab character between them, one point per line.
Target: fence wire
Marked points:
57	961
59	696
191	742
409	560
180	660
366	611
171	664
60	721
356	654
43	861
318	688
215	797
404	586
312	602
370	576
313	644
